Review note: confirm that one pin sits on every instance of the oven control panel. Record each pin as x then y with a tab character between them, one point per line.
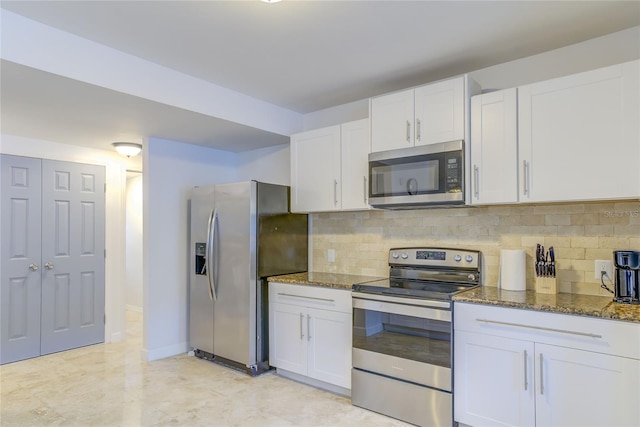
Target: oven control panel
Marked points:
434	257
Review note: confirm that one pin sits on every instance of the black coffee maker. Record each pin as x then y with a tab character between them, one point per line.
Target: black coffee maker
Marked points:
627	276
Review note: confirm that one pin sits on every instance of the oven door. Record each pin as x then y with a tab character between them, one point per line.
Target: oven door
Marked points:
404	341
426	174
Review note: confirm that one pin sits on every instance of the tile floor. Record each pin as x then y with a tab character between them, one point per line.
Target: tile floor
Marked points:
109	385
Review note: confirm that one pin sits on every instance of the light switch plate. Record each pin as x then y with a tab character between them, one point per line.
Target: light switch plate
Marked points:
331	255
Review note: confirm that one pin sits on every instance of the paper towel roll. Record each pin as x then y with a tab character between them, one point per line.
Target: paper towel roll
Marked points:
513	274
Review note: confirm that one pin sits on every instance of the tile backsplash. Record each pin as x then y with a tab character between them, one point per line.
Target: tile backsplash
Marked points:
579	232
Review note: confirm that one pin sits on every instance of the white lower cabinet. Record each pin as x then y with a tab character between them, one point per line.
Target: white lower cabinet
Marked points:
524	368
310	332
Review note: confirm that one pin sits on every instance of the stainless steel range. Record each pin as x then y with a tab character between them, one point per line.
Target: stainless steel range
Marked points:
402	334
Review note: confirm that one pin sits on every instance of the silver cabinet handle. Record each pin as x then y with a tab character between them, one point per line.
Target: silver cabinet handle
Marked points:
418	126
335	192
526	385
301	333
541	376
525	168
305	297
33	267
366	193
308	327
408	131
49	266
540	328
476	180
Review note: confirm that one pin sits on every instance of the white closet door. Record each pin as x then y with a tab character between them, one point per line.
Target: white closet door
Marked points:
20	258
73	198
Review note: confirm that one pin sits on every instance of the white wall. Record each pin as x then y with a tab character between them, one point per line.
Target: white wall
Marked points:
607	50
133	236
39	46
271	164
171	169
115	166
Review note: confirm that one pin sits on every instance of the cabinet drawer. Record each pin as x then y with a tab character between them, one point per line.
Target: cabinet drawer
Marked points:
585	333
311	296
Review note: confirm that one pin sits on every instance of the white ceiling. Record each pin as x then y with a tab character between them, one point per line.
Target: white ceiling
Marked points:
301	55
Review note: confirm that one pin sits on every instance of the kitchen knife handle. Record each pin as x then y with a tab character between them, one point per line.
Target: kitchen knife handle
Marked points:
525	168
301	333
408	131
526	384
541	375
476	179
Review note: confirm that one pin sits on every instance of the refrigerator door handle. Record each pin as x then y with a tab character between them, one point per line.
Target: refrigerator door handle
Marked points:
211	234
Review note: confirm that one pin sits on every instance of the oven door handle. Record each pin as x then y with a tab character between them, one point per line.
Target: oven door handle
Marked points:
401	300
407	308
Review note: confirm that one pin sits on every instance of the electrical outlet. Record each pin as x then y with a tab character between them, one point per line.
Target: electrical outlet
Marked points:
331	255
603	265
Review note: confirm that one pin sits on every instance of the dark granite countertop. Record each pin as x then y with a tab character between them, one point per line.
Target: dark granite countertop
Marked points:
581	305
327	280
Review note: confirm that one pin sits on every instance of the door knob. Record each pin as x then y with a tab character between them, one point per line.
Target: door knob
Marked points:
33	266
49	266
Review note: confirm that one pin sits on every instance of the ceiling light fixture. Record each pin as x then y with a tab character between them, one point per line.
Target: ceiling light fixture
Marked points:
128	148
271	1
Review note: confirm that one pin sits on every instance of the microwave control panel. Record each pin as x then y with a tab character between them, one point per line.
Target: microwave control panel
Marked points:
454	172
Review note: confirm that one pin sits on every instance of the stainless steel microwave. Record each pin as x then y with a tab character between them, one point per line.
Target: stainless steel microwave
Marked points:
426	175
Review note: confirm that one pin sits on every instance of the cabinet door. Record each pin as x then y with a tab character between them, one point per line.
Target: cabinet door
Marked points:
315	170
356	145
580	388
493	380
439	112
579	136
392	121
287	337
329	353
494	147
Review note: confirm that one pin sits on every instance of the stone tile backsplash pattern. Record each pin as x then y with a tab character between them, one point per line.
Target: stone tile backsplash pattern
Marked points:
580	234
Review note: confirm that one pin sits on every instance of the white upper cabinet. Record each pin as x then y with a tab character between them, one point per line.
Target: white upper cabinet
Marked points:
439	112
355	145
315	170
392	121
425	115
494	147
579	136
329	168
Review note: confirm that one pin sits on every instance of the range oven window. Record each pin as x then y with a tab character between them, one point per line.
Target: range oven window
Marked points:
414	338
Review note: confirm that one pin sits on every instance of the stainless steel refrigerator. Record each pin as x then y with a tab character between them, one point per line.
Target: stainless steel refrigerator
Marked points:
241	233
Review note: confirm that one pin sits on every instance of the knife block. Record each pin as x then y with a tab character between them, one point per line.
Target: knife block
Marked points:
546	285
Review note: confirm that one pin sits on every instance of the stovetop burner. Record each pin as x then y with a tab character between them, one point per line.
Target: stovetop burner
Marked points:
427	273
413	288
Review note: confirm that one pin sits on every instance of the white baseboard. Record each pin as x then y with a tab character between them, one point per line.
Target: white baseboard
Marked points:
116	337
313	382
168	351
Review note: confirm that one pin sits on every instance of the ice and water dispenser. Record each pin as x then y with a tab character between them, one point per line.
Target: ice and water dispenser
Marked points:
201	250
